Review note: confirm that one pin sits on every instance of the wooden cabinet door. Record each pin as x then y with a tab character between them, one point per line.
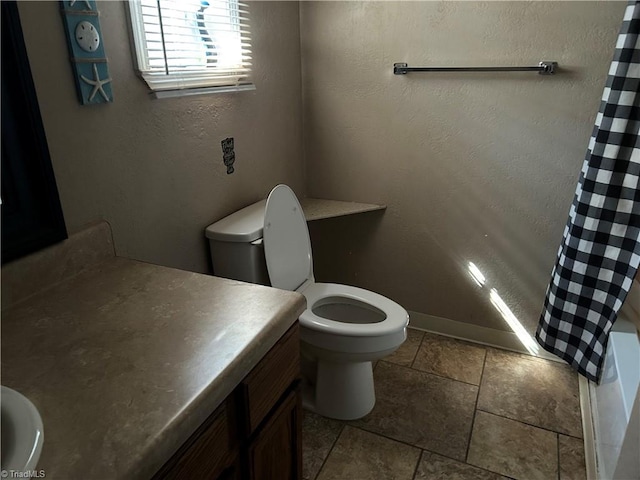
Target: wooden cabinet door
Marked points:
276	452
210	453
267	383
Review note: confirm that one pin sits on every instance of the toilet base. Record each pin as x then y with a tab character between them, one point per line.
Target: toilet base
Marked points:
343	391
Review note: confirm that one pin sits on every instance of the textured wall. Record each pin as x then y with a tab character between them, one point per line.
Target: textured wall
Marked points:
474	167
153	168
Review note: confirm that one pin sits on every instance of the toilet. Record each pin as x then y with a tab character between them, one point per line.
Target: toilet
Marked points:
344	328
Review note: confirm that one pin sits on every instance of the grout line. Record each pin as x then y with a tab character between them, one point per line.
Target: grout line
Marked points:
465	463
447	378
365	429
484	365
475	410
415	470
330	450
426	450
529	424
428	373
558	453
418	350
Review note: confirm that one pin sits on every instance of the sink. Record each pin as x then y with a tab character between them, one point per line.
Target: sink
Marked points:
22	432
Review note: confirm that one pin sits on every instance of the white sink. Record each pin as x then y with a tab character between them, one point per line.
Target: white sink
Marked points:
22	432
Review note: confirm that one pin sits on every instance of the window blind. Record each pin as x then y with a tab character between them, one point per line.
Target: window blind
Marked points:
191	43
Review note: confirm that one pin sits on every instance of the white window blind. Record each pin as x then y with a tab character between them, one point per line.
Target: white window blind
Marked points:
185	44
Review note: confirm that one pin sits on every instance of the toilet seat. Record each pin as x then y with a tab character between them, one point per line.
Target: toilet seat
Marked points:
395	316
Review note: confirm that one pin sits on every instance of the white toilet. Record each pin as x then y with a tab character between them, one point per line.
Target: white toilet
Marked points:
343	329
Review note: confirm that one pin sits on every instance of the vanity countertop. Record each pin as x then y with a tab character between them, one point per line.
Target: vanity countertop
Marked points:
126	359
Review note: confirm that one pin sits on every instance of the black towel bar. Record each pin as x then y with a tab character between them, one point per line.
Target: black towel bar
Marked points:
543	68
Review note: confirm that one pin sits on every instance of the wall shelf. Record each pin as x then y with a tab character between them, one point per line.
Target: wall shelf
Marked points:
320	208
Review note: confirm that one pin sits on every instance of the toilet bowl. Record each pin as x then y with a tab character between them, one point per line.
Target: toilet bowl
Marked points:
344	328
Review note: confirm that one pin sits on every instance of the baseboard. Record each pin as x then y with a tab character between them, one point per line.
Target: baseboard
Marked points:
472	333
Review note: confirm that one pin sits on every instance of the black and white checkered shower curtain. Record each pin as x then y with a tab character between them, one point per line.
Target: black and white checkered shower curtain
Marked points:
600	249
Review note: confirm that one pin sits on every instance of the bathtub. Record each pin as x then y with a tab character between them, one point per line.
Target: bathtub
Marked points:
615	406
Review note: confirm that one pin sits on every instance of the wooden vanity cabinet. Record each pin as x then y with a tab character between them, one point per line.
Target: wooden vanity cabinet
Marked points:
275	452
270	401
256	433
210	453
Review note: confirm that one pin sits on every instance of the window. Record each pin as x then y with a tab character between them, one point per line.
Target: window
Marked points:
192	45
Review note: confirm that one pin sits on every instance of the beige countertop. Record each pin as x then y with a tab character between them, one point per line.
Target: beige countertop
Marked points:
126	359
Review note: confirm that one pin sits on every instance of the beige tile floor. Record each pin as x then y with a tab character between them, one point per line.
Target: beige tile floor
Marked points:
447	409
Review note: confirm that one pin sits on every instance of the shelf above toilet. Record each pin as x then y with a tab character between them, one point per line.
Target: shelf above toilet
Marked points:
319	208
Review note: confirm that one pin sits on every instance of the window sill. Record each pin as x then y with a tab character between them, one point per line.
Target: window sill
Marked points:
188	92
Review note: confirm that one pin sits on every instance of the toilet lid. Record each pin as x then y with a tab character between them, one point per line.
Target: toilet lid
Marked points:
287	247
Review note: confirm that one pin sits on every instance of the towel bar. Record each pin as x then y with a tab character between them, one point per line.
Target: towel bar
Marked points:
543	68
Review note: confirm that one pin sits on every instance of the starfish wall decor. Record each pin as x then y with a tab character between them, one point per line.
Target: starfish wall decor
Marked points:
97	84
86	48
86	2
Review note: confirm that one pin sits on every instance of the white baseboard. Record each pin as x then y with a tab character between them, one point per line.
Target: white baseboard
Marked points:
472	333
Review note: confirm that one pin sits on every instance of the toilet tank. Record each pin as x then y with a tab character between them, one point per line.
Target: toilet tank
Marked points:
235	243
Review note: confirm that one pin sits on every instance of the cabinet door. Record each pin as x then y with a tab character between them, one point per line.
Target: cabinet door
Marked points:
276	452
267	383
210	453
233	472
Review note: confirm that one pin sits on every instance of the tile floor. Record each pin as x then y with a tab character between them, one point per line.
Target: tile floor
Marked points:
448	409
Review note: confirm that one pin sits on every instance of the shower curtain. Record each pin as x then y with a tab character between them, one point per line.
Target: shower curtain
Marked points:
600	251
